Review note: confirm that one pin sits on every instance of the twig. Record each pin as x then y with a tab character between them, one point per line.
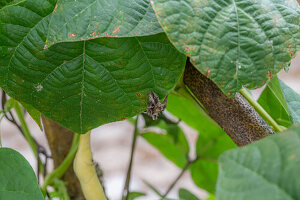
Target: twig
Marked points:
179	176
153	188
8	114
125	193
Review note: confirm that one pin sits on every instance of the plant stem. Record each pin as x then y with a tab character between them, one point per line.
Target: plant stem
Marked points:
59	171
85	170
178	177
261	110
125	193
25	129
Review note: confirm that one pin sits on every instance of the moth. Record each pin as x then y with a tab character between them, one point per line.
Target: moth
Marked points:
155	107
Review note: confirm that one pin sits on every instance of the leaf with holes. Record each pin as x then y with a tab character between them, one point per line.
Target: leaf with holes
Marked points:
17	178
265	170
84	84
74	20
234	42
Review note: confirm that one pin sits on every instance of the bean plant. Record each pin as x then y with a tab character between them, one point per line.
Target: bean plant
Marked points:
74	65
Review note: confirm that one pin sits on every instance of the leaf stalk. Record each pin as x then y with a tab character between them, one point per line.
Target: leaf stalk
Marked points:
261	111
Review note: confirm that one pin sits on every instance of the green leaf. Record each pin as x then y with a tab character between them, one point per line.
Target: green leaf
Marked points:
174	151
281	102
190	114
60	190
134	195
204	174
5	2
212	141
293	102
208	148
265	170
35	114
211	197
175	135
9	2
74	20
274	102
81	85
186	195
233	42
17	179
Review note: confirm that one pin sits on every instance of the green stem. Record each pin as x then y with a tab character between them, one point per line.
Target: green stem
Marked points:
63	167
261	110
25	129
32	143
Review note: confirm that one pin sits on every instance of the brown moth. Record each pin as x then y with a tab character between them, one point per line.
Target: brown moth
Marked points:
155	107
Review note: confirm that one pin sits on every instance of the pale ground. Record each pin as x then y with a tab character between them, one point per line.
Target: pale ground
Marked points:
111	148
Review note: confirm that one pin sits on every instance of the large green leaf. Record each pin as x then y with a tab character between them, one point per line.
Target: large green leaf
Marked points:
9	2
212	141
233	42
74	20
81	85
293	101
273	101
17	179
265	170
34	114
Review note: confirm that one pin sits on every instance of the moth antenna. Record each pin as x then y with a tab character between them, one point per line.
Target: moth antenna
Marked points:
164	103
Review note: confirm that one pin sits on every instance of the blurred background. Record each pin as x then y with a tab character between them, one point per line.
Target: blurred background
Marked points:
111	145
